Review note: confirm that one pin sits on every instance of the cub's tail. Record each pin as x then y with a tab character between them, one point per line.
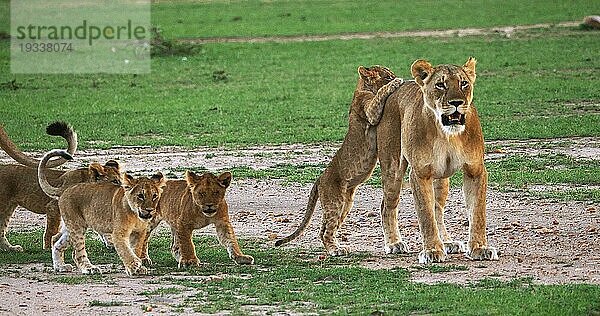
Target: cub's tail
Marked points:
55	129
310	209
53	192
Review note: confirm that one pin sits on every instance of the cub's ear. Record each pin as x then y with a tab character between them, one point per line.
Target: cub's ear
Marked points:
225	179
128	181
363	72
113	164
159	179
421	70
191	177
96	171
469	68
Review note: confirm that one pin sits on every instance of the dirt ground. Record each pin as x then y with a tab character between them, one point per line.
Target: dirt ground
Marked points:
550	242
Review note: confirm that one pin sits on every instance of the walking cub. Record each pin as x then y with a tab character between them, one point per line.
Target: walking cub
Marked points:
124	212
194	203
354	161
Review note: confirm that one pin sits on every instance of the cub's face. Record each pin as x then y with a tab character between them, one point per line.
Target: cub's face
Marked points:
110	172
375	77
143	194
208	190
448	91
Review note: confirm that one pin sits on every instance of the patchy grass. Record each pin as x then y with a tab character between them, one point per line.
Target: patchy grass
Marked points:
105	304
294	280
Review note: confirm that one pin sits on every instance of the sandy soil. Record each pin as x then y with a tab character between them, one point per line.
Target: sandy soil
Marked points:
550	242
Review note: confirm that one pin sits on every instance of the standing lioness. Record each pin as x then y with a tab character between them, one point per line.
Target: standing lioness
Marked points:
432	125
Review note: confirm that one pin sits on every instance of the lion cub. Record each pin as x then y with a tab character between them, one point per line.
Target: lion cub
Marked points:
194	203
122	211
19	185
354	161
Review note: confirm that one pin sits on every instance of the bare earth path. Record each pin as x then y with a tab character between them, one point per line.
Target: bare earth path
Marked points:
550	242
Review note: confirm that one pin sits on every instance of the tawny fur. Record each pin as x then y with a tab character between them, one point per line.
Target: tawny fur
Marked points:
124	212
354	162
19	186
194	203
412	132
95	172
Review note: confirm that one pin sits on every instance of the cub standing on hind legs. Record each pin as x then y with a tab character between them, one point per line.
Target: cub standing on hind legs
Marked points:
354	161
122	211
19	185
432	125
194	203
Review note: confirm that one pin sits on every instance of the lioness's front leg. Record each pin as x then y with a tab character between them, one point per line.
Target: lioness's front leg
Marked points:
6	212
183	248
133	264
475	187
441	189
433	249
227	238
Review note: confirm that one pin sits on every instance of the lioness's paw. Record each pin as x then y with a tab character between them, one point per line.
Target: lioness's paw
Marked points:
431	256
147	261
338	251
63	268
483	253
455	247
186	263
244	259
91	269
136	267
399	247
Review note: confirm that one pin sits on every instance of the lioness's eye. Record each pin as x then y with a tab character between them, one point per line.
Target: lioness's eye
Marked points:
440	85
154	197
464	84
140	196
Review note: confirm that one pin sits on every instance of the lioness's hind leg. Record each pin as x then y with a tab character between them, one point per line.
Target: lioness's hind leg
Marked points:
441	189
392	178
333	208
5	214
52	223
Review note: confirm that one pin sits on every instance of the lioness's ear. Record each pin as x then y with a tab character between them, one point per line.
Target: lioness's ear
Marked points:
159	179
225	179
191	178
469	68
420	70
113	164
96	171
128	181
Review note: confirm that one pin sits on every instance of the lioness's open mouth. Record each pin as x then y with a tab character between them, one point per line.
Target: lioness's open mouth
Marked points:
455	118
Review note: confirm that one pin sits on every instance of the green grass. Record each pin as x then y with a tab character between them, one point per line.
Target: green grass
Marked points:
105	304
293	280
524	88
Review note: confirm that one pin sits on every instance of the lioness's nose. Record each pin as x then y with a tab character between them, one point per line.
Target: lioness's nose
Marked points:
456	103
149	210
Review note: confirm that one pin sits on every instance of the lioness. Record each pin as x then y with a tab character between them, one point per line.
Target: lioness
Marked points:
432	125
95	172
122	211
19	185
354	162
194	203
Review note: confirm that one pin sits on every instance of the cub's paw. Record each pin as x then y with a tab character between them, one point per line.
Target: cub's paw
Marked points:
431	256
63	268
244	259
136	267
455	247
399	247
397	82
147	261
14	248
338	251
90	269
483	253
186	263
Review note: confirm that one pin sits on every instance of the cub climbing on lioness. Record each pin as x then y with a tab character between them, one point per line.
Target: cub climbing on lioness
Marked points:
19	185
123	211
354	161
194	203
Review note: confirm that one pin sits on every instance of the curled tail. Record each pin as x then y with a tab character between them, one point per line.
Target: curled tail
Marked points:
53	192
55	129
310	209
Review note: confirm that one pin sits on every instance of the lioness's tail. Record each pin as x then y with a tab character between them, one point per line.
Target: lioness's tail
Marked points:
55	129
310	209
53	192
